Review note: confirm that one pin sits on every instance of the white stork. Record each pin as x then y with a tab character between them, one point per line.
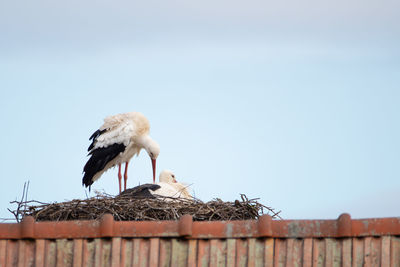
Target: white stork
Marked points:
170	187
167	187
120	138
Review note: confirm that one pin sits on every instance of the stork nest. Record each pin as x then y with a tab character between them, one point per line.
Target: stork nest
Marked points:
126	208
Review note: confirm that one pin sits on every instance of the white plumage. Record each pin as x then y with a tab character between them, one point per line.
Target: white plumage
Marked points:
120	138
169	187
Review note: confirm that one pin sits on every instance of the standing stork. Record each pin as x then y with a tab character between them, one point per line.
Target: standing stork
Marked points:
120	138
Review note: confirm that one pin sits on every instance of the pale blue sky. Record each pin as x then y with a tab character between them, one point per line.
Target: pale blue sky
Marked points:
293	102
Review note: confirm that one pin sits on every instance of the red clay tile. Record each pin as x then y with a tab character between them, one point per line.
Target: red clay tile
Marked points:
266	242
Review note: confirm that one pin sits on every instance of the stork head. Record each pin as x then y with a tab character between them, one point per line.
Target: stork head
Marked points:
167	176
153	149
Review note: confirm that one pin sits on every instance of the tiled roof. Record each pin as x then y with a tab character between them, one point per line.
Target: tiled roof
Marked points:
263	242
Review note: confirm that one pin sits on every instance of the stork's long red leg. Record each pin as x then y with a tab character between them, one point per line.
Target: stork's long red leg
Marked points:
126	174
119	177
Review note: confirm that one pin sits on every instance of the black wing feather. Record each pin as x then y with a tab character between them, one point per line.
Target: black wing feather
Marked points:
98	160
94	137
141	191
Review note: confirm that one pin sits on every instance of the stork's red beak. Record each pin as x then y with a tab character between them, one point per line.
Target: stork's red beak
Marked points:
153	163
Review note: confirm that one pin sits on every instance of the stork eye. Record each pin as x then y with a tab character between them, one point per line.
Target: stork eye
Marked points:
173	176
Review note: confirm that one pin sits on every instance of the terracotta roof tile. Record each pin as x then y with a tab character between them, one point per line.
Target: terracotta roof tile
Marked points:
266	242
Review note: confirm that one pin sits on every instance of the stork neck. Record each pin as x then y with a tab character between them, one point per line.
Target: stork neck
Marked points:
145	141
151	146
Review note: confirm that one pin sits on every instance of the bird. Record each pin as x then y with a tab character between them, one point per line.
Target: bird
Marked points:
171	187
119	138
166	187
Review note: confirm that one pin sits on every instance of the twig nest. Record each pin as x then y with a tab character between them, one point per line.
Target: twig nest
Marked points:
126	208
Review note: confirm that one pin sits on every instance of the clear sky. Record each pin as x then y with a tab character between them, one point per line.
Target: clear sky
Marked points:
294	102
